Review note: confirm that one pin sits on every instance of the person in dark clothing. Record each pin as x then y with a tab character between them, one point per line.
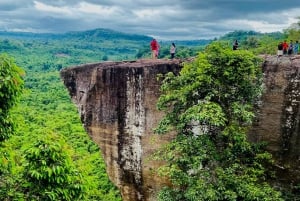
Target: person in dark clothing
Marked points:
280	49
235	45
291	48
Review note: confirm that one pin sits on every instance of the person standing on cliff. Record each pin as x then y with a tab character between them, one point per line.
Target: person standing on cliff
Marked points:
154	48
296	47
280	49
172	50
285	46
235	45
291	48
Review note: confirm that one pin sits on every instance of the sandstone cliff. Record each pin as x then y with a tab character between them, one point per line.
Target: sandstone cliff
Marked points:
278	115
117	104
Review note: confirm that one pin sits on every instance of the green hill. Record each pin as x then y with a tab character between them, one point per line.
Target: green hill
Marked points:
90	35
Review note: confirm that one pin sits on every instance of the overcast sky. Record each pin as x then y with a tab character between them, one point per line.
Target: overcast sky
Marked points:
162	19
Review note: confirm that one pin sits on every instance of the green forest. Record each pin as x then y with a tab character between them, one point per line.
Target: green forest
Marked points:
45	153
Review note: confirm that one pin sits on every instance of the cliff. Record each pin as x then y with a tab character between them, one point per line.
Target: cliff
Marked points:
278	116
117	104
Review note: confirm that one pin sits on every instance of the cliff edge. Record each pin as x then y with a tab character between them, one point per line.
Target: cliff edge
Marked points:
278	115
117	105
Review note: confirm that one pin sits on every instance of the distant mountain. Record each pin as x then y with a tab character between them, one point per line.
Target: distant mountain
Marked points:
100	35
90	35
243	35
189	43
106	34
28	35
95	35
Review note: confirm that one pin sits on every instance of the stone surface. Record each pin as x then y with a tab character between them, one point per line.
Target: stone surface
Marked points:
278	115
117	104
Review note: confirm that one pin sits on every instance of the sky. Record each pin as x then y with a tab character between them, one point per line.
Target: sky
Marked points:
161	19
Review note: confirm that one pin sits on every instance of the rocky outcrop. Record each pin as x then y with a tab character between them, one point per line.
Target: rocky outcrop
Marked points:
117	104
278	115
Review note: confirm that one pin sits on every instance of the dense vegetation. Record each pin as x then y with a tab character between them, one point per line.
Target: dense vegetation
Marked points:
210	106
50	155
45	152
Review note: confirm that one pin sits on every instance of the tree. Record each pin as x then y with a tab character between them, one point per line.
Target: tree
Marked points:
293	31
251	42
11	85
105	58
209	106
49	172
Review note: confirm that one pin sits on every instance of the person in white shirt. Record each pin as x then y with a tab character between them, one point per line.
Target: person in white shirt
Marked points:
172	50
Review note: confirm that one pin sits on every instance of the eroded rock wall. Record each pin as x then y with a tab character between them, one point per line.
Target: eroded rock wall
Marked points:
278	115
117	104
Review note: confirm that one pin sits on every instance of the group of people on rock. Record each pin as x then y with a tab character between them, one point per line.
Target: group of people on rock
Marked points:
285	48
154	45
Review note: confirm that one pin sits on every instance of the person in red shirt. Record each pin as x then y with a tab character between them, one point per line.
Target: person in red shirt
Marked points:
285	46
154	48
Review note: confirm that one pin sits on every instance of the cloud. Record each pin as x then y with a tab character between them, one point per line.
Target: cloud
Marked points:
52	9
167	20
96	9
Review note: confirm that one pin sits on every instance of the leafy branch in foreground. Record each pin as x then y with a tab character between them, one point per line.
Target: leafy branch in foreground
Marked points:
49	173
210	106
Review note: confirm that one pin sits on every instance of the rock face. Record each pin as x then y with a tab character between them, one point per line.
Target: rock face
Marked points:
117	104
278	116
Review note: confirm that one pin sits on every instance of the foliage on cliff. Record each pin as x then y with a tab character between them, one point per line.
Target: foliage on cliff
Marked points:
210	106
